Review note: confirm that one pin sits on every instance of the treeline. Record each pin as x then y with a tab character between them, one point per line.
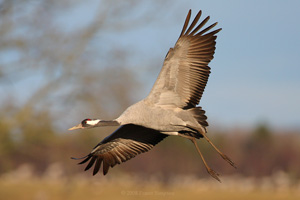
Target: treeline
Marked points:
258	152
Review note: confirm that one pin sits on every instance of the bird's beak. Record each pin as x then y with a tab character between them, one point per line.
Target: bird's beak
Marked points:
79	126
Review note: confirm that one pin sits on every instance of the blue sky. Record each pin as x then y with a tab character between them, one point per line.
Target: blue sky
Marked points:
255	73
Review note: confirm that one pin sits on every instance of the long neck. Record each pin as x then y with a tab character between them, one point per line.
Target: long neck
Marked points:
107	123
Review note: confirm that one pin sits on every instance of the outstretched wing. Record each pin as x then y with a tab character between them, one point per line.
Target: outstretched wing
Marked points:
185	72
125	143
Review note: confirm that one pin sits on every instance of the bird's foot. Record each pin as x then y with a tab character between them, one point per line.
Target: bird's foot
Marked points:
214	174
228	160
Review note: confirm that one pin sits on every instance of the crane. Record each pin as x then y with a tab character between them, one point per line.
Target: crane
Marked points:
169	109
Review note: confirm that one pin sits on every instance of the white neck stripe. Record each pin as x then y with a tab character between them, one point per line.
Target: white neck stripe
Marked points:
93	122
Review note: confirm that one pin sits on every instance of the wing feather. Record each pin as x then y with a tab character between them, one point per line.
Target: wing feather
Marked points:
125	143
185	72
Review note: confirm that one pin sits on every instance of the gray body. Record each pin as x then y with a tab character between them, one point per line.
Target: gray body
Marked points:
166	119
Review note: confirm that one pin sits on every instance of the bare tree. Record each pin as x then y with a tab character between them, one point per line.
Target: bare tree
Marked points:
72	65
55	57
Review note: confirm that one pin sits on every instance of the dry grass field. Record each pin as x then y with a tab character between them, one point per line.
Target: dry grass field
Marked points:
44	190
22	185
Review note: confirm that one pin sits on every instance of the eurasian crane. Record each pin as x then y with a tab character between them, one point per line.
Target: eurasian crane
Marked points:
170	108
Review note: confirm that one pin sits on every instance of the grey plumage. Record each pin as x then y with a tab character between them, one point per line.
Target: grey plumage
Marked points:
184	75
169	109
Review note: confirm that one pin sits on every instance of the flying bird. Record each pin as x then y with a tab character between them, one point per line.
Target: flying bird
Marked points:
169	109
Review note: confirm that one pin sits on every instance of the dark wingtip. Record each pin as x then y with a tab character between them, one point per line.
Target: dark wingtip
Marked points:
79	158
86	158
105	168
90	163
186	22
97	166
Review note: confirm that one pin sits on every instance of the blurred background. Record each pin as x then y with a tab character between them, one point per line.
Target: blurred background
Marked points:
62	61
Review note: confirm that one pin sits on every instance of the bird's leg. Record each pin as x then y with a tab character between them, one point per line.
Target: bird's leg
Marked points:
209	170
221	154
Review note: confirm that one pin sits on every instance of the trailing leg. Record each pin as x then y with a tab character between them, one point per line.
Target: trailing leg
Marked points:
209	170
221	154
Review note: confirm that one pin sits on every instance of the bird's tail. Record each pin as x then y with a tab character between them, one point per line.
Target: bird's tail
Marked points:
199	115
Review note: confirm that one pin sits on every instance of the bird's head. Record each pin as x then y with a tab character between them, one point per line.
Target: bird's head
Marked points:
87	123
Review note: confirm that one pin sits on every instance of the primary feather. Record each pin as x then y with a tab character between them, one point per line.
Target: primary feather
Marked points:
125	143
185	71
